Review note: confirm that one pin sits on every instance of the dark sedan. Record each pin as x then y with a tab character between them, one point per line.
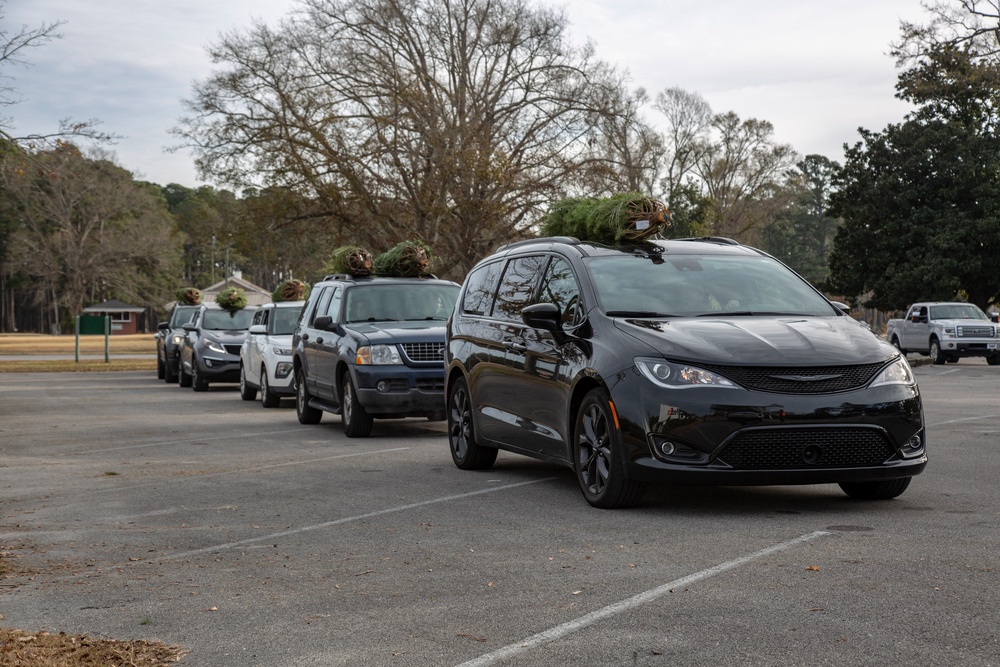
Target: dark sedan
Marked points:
686	361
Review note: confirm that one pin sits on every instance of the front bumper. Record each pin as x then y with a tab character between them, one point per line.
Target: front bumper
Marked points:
219	368
400	391
708	435
961	348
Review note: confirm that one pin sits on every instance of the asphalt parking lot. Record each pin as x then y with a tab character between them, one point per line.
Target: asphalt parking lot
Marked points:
133	509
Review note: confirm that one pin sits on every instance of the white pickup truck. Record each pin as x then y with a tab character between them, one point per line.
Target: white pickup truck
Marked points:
945	331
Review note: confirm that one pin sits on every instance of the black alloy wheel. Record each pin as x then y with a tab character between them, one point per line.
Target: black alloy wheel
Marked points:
597	456
878	490
465	451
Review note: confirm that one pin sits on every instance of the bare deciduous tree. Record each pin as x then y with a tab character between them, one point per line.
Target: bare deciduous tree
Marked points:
455	121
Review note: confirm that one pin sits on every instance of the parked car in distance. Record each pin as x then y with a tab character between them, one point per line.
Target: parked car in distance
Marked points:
946	331
372	348
697	361
266	354
212	342
169	340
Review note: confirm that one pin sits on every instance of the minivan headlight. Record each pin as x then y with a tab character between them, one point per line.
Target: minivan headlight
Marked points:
377	355
680	376
898	372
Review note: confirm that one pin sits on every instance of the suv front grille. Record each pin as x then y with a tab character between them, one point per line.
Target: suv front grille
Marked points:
790	448
793	380
424	352
233	349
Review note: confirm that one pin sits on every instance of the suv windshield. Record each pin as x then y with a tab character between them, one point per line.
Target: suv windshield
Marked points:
283	320
392	303
224	320
957	311
182	315
701	285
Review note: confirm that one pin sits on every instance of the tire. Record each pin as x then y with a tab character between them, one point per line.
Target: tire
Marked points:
993	360
247	393
268	398
465	451
936	355
198	383
597	456
168	374
895	344
881	490
305	413
160	368
183	378
355	419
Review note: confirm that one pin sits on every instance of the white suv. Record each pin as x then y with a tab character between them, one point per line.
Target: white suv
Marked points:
266	355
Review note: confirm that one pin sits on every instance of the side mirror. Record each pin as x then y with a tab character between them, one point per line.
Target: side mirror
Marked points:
544	316
995	317
258	329
187	326
842	307
163	326
323	322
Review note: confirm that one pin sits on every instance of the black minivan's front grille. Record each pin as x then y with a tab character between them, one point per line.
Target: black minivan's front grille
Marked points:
822	447
799	380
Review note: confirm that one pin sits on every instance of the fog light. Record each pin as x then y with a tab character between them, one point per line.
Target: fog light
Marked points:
382	386
913	447
283	369
667	448
208	363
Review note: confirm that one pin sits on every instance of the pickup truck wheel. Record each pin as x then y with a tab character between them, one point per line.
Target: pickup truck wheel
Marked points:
895	344
883	490
993	360
936	355
355	419
305	413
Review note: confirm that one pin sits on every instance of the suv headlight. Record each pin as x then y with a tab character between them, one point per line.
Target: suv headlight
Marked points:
680	376
377	355
282	351
898	372
215	346
176	339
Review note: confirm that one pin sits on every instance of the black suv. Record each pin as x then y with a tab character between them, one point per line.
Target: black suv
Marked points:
697	361
169	340
212	342
372	347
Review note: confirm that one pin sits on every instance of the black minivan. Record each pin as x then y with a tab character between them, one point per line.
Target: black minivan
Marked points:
693	361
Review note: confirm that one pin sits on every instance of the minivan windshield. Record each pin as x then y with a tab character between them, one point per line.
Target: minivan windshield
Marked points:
702	285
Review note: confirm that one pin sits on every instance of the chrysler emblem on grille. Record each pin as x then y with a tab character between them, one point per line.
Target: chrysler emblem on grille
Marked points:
807	378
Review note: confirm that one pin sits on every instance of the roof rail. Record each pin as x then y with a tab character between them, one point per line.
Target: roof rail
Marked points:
721	240
568	240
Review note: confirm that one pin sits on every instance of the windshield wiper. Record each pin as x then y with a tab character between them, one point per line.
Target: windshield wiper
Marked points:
752	313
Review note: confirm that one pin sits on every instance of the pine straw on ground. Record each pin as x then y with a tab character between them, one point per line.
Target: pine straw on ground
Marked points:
45	649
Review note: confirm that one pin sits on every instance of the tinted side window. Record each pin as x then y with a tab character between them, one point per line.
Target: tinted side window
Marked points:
333	309
517	286
322	304
481	284
559	287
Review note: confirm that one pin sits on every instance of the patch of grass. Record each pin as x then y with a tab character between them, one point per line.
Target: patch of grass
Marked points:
70	366
46	649
45	344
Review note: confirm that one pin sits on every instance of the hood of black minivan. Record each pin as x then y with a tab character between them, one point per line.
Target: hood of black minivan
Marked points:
760	340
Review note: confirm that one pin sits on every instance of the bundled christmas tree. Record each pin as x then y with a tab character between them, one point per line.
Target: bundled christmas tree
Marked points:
353	260
407	258
619	219
232	298
291	290
189	296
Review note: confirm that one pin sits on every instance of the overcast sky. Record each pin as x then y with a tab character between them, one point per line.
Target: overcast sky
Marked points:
816	69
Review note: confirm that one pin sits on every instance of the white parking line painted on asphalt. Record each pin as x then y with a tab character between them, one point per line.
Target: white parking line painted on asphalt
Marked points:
560	631
348	519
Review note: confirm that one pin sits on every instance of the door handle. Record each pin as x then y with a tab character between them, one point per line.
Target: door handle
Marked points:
516	347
